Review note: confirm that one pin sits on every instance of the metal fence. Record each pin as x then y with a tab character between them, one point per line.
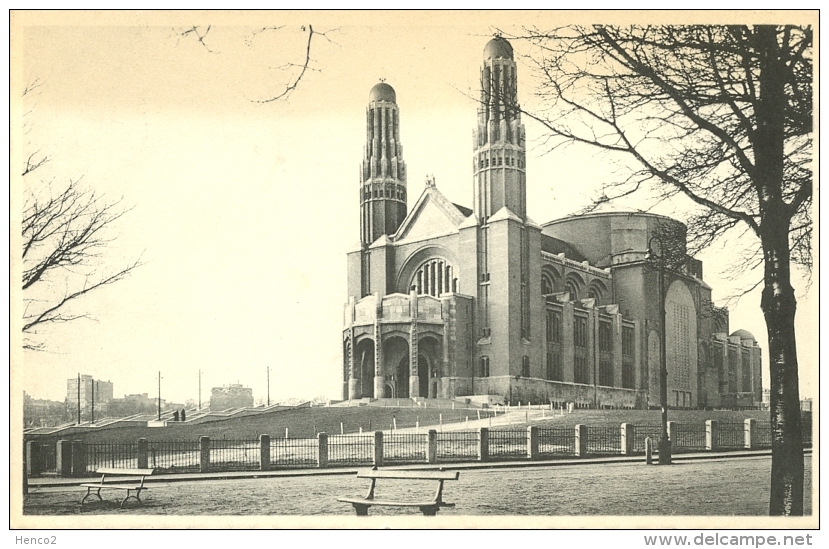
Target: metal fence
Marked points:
690	436
458	445
729	434
604	440
762	434
405	447
351	449
294	452
229	455
174	456
558	441
806	425
641	432
48	458
508	444
400	447
111	454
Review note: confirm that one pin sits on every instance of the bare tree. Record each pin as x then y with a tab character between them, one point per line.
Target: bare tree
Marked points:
65	231
64	235
296	69
720	115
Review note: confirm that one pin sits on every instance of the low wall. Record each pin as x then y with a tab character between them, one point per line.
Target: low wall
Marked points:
542	391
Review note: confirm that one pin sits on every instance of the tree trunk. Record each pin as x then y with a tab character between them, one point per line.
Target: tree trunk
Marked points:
778	301
779	307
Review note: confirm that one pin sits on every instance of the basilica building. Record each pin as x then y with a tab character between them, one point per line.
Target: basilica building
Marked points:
446	301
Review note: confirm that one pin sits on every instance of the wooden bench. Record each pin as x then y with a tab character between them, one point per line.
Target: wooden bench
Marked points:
103	485
427	507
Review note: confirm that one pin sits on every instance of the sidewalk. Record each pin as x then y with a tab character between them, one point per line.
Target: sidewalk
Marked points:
54	482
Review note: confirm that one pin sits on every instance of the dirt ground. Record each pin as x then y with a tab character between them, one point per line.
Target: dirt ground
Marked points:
725	487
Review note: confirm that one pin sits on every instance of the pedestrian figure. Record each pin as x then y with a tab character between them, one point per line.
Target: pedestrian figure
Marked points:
183	416
175	415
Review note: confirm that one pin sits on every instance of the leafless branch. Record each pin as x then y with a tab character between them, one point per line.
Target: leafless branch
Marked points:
195	30
302	67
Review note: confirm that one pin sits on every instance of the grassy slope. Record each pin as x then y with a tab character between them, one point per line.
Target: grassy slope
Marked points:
306	422
301	422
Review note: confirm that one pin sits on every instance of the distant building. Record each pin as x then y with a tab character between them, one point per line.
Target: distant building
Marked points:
90	390
230	396
447	301
42	413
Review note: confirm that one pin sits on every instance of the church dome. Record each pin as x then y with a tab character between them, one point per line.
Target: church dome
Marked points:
382	92
744	334
498	47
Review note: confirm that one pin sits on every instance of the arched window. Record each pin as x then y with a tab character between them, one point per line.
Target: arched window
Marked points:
546	284
571	287
484	366
434	277
597	291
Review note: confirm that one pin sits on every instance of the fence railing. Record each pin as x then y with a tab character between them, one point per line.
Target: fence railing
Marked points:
730	434
229	455
508	444
457	445
177	456
405	447
604	440
294	452
690	436
76	458
111	454
652	431
556	442
351	449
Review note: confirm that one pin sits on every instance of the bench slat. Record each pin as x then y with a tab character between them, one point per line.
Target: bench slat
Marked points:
364	501
124	472
114	486
410	475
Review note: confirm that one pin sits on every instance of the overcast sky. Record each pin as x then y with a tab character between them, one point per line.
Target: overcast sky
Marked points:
242	212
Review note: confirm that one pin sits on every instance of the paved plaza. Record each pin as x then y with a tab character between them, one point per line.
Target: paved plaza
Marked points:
722	486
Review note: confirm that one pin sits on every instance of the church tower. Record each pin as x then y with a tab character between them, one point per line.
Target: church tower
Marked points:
507	243
383	172
498	161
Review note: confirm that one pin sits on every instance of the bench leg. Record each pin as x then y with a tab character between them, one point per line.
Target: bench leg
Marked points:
89	493
137	493
362	510
429	510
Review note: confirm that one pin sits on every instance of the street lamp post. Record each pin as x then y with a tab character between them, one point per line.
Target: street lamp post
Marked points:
664	441
159	396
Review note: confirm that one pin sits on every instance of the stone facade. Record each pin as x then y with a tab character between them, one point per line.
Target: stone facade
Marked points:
447	302
230	396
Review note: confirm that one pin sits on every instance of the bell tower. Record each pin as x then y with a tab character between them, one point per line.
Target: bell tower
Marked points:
383	172
499	158
507	244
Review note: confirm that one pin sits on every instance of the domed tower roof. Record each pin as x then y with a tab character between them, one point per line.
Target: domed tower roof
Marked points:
498	47
744	334
382	92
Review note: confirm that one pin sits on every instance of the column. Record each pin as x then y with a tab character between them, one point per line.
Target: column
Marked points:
204	454
143	451
264	452
322	454
532	442
78	458
378	448
379	378
64	458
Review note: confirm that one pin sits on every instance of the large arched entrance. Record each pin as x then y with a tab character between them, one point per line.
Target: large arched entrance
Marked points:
422	375
401	378
429	353
364	358
396	365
